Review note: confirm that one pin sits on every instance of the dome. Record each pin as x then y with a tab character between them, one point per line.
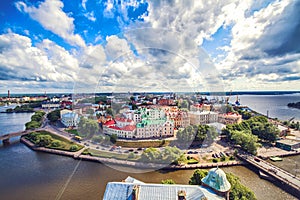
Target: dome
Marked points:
216	179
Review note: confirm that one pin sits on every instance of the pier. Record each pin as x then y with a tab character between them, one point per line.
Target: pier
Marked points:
287	181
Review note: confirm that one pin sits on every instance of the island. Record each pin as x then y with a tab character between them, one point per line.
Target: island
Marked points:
294	105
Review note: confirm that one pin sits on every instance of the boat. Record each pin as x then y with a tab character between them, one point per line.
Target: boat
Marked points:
275	158
265	176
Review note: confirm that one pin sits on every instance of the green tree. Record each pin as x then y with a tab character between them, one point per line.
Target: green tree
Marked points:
197	176
113	138
43	140
53	116
56	143
97	138
239	191
88	127
32	125
168	181
74	147
131	155
186	136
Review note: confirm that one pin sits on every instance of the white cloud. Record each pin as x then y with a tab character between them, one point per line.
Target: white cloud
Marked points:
90	16
116	47
51	16
20	60
258	48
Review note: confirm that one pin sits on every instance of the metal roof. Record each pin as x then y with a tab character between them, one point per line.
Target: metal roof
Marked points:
123	191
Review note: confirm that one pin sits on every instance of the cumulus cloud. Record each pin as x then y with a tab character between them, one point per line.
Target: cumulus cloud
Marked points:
21	61
51	16
264	47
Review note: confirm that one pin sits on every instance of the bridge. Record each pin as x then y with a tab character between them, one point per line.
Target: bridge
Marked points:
5	138
289	181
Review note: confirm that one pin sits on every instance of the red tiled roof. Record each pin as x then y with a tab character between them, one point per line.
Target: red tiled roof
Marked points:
123	119
125	128
109	123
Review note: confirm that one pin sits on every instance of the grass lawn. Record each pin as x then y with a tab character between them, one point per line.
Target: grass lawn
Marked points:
72	131
143	144
105	154
64	144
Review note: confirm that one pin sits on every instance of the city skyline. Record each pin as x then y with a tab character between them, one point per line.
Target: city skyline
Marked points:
58	46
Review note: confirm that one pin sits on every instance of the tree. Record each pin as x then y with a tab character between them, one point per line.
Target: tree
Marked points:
43	140
197	176
88	127
151	155
74	147
32	125
238	191
246	140
53	116
186	136
97	138
131	155
168	181
113	138
109	111
56	143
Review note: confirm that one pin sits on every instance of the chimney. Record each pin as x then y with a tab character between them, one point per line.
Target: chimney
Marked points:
181	195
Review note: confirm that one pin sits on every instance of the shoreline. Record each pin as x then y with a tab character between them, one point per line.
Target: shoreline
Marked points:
125	163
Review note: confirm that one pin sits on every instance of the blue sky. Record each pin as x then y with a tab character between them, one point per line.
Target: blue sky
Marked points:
119	45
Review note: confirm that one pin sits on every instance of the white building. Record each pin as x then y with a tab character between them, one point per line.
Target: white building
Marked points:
205	117
123	128
70	119
154	128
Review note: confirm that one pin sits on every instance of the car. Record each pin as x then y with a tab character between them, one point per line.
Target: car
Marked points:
136	152
131	150
139	149
256	159
227	154
222	154
97	147
126	151
195	152
217	155
213	155
189	152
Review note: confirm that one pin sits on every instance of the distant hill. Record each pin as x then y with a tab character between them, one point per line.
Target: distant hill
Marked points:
294	105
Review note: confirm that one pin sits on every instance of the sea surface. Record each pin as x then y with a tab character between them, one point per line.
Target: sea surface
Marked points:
276	105
26	174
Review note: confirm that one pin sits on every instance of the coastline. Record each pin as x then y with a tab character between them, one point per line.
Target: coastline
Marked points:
77	155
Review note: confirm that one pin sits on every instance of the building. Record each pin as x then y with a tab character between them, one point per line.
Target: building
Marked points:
230	118
166	102
288	145
217	181
50	105
204	117
69	118
180	118
201	107
154	128
132	189
122	127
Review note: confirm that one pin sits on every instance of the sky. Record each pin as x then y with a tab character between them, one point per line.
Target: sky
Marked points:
168	45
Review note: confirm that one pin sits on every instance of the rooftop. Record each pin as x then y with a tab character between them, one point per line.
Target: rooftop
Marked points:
124	191
216	179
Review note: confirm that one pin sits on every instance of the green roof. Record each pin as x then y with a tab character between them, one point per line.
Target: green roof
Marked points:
147	122
216	179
